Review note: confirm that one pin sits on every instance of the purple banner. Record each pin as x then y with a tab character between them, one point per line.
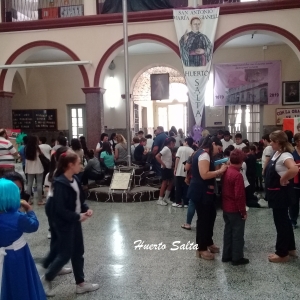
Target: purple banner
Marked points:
247	83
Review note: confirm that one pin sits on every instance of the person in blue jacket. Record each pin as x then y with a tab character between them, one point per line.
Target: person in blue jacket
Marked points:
19	278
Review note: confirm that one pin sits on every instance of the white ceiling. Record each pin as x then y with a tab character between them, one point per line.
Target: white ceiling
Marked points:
55	55
258	39
48	55
146	48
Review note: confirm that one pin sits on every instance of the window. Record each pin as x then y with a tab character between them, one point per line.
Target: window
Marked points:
253	122
76	121
246	120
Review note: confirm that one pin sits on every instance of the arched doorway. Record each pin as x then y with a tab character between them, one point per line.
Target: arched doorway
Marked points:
257	43
111	53
21	54
148	113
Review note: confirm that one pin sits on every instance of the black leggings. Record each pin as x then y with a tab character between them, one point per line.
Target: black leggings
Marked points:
205	224
285	241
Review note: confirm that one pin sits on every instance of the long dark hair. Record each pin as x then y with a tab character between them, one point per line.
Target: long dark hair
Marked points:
75	144
112	136
63	162
32	147
53	162
173	128
208	144
83	145
106	147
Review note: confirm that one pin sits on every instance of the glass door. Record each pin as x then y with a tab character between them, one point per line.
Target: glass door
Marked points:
76	121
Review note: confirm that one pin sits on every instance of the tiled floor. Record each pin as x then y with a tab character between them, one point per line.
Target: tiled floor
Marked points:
126	273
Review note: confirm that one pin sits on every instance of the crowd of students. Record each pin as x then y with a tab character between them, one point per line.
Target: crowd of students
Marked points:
190	169
65	208
242	169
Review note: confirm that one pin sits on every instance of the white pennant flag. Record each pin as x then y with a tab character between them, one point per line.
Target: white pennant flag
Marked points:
196	29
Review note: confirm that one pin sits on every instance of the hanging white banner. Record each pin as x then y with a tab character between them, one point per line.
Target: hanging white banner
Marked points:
196	29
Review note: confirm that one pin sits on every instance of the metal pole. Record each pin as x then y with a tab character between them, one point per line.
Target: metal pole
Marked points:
127	96
51	64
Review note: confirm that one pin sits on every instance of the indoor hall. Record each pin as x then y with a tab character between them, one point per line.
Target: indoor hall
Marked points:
90	100
125	273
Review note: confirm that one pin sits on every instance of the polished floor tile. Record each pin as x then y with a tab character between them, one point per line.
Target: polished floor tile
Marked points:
124	272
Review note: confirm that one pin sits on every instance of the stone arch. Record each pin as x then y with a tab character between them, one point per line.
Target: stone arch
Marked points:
25	51
111	52
138	74
141	81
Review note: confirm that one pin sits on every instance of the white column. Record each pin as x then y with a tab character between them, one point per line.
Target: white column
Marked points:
90	7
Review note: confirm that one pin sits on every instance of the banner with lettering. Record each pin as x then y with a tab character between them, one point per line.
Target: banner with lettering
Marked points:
286	113
247	83
196	29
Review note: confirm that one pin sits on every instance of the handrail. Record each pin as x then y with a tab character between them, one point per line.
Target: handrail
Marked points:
143	16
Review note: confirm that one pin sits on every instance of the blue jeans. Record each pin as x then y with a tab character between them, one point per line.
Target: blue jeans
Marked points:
190	212
294	207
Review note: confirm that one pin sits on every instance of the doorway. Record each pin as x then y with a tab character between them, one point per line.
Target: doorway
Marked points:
171	114
76	121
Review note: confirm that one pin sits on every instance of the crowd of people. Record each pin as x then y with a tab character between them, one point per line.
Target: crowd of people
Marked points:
235	169
191	175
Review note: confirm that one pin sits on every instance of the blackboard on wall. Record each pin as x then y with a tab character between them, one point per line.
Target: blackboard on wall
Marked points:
35	119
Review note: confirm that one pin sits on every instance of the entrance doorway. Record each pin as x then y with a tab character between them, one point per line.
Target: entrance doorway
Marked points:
77	122
168	115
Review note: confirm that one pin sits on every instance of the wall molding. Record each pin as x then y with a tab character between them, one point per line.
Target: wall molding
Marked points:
4	94
144	16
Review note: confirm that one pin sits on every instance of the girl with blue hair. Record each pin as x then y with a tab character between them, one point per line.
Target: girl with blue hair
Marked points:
19	278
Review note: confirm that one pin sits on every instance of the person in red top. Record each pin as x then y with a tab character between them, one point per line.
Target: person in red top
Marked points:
234	211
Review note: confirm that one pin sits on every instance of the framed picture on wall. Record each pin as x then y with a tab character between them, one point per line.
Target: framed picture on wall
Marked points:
159	86
291	93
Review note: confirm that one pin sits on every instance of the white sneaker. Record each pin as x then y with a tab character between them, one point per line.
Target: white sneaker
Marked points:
186	206
161	202
263	203
65	271
47	285
87	287
177	205
247	208
168	201
49	235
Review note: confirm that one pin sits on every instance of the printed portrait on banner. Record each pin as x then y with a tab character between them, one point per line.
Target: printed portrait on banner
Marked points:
195	47
195	30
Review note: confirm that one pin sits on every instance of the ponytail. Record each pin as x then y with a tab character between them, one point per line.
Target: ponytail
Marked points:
208	143
53	162
63	162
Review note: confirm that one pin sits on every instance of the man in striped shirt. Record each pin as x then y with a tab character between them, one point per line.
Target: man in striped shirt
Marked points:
7	153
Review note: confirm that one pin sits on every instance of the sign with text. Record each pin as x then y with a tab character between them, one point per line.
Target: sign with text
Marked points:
286	113
120	181
71	11
247	83
196	29
35	119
